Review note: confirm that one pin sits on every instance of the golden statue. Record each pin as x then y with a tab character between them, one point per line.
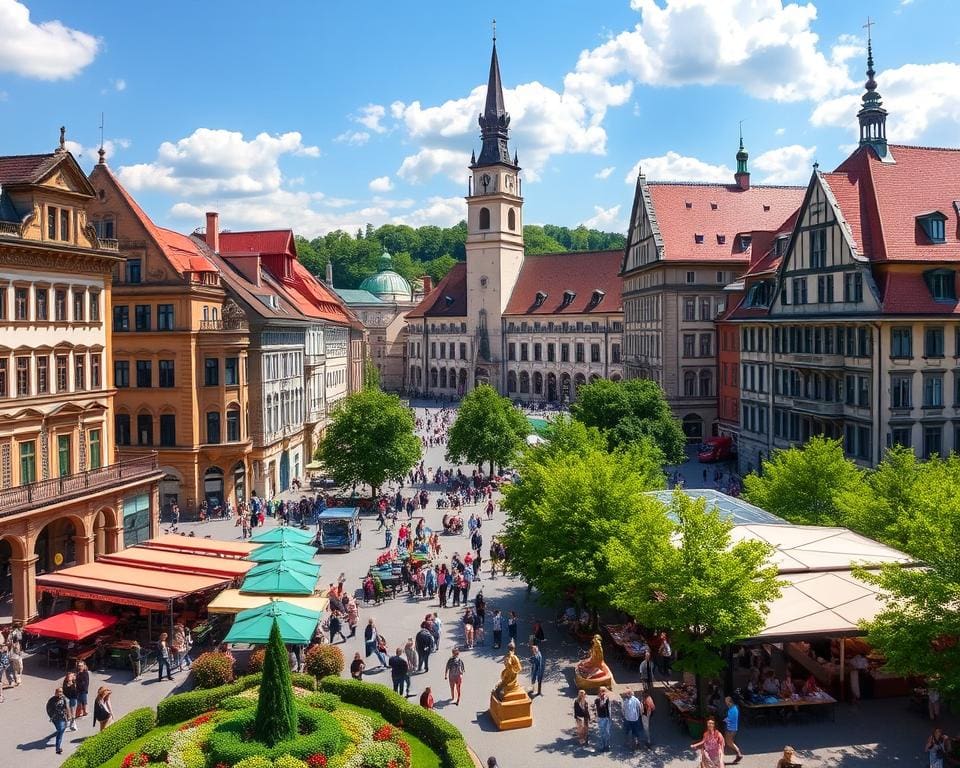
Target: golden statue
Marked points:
511	671
593	672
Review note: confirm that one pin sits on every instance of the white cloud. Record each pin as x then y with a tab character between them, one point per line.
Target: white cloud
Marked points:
780	131
439	211
420	167
604	173
370	117
356	138
217	161
47	51
676	167
87	155
785	165
922	97
120	84
381	184
602	218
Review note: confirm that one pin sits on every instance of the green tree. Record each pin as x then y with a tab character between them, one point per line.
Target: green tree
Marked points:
574	498
536	241
370	439
371	374
706	591
627	411
276	714
488	428
805	485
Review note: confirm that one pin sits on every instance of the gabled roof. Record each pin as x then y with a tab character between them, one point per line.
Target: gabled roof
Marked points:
314	299
454	285
26	169
582	272
907	293
764	265
263	241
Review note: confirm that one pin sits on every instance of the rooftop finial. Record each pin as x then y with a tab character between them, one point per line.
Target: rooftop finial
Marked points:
872	116
101	152
494	31
63	138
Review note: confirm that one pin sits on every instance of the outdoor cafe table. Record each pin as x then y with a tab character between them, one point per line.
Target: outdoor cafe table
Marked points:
753	711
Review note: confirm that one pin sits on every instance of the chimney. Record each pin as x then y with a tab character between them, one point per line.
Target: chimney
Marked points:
427	284
248	265
212	235
330	274
742	180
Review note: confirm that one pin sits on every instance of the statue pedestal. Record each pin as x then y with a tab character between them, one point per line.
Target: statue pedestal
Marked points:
595	681
513	711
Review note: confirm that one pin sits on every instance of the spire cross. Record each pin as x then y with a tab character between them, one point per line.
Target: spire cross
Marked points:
741	131
867	27
494	30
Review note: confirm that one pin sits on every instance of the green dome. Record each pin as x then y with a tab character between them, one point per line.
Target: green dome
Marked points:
387	284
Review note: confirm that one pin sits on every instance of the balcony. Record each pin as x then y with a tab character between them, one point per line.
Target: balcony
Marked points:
57	489
9	229
109	244
818	407
230	324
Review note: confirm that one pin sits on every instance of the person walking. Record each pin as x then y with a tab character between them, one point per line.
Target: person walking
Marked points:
336	627
398	671
497	621
163	657
353	615
371	642
454	673
468	627
646	715
69	687
178	644
356	667
435	628
83	689
936	748
16	661
410	652
536	670
731	724
630	707
710	746
102	708
666	655
58	710
424	645
135	659
512	627
601	706
581	715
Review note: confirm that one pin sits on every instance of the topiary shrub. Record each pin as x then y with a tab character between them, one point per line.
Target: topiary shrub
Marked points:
455	754
213	669
184	706
324	701
157	748
255	661
276	714
324	660
100	747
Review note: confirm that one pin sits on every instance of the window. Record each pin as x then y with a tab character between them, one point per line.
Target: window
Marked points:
63	455
51	223
121	428
60	305
933	390
168	430
564	353
692	276
41	295
799	286
463	350
551	353
934	226
133	270
3	377
231	376
142	317
706	344
901	386
62	380
689	308
144	373
853	287
524	352
43	380
689	384
706	383
933	342
21	306
213	427
537	352
511	351
64	224
121	373
121	319
512	219
23	376
433	349
941	283
94	306
863	392
94	454
164	317
705	309
95	380
484	218
578	349
28	462
79	305
901	343
818	248
614	353
211	372
825	289
144	429
233	424
689	344
79	371
166	374
932	441
594	353
902	436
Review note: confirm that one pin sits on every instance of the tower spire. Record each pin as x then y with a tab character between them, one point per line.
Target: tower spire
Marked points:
494	121
742	176
872	116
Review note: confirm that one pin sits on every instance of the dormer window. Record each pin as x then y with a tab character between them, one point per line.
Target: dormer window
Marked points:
942	284
744	242
568	297
688	204
721	239
759	294
597	297
713	206
934	226
448	300
539	299
698	238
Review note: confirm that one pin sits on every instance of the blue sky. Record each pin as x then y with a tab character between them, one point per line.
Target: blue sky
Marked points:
318	115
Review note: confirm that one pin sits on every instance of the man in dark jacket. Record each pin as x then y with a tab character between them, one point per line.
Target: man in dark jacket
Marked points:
58	710
399	668
424	644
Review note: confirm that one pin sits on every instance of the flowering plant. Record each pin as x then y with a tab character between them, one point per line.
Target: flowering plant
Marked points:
135	760
318	760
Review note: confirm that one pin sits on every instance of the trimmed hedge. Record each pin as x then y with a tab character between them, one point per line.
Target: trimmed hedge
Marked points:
186	706
100	747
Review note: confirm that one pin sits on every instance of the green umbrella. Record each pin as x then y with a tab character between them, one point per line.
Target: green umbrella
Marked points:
282	534
298	566
281	578
297	625
285	550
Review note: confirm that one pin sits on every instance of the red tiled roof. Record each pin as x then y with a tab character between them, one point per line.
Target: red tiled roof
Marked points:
182	252
737	210
892	195
26	169
313	298
907	293
582	272
454	285
264	241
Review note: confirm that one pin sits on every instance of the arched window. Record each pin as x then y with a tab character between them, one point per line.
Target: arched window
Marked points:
484	218
538	383
524	383
511	382
706	383
689	384
233	424
512	220
433	377
206	313
443	378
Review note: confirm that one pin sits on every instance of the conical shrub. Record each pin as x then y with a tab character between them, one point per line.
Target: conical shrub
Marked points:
276	714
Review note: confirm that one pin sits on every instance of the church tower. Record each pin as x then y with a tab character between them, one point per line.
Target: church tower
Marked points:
494	246
872	116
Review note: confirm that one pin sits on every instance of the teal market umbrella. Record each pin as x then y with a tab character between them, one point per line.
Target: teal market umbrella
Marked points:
281	578
307	569
282	534
284	550
297	625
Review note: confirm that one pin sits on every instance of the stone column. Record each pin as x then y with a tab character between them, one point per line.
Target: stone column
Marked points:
24	587
154	513
84	546
113	539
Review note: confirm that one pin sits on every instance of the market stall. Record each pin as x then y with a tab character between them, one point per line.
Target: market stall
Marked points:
233	601
202	546
339	528
253	626
270	553
179	562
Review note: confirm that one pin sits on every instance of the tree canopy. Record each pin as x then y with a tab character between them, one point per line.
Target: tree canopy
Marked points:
370	439
805	485
427	250
487	429
628	411
575	497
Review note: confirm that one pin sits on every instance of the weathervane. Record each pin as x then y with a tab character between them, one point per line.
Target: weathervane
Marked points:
867	27
494	30
101	152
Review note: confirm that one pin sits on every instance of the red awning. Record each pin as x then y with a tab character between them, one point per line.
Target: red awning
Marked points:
72	625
